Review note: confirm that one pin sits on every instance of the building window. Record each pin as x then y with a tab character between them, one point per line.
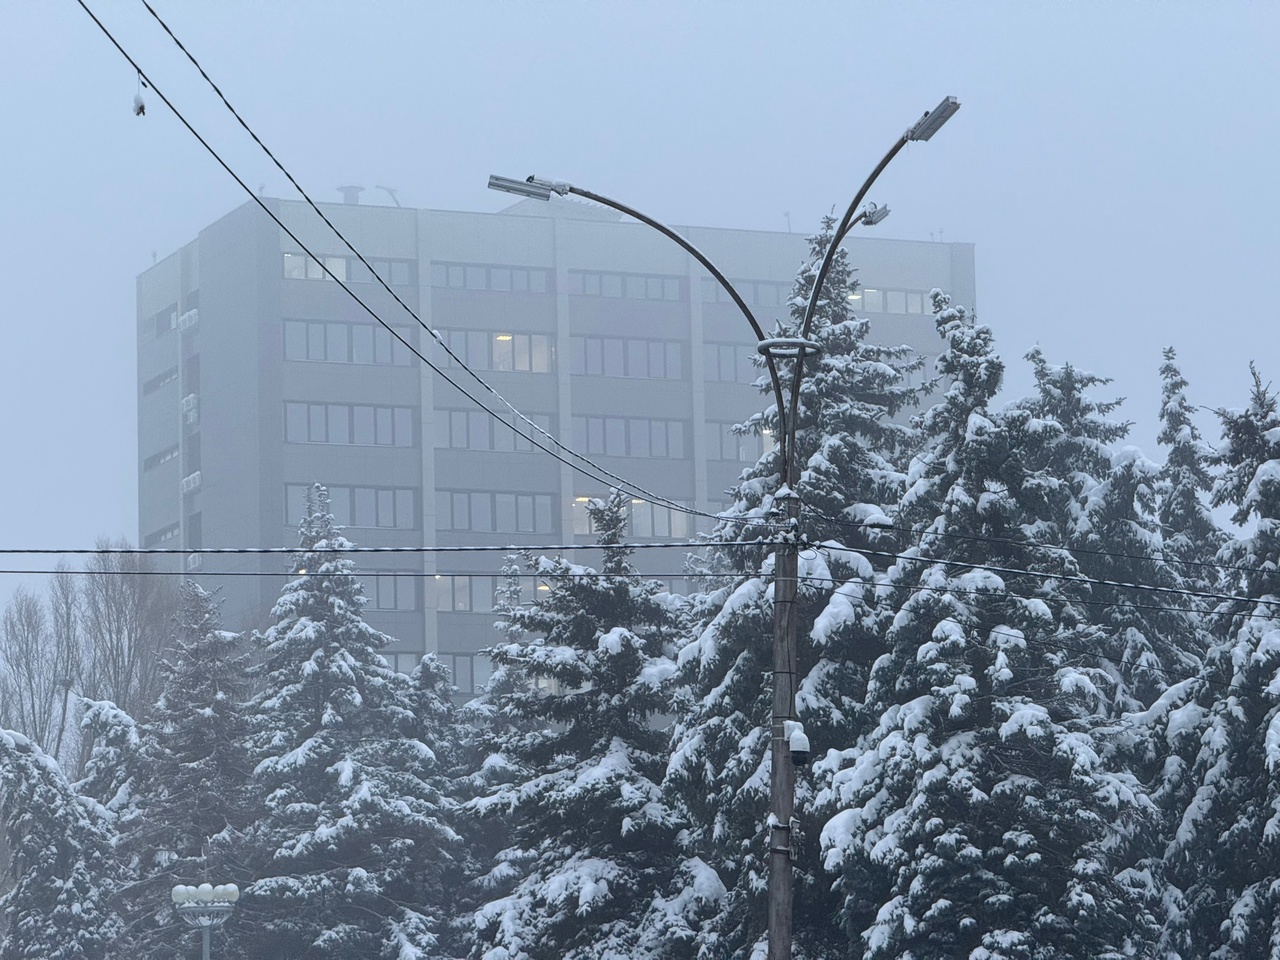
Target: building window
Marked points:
724	444
396	590
162	321
344	423
159	380
345	343
618	357
475	594
468	671
730	363
463	593
163	535
644	520
164	456
478	430
880	300
501	279
759	293
372	507
493	512
629	437
499	350
299	266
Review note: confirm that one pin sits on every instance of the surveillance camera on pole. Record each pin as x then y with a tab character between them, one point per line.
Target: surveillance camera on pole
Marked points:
797	742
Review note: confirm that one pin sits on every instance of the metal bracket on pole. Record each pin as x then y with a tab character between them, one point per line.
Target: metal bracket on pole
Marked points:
788	348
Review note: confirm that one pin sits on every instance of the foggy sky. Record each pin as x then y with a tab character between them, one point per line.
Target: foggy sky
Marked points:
1115	163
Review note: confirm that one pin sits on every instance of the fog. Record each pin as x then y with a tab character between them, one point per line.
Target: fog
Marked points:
1114	164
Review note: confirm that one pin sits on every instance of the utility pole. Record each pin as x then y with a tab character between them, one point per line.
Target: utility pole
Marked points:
787	739
782	772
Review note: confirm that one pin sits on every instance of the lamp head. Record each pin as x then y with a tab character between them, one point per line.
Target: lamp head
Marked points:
933	120
873	214
530	187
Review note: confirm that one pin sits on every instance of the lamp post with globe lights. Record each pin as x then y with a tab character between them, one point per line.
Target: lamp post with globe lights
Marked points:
788	740
206	906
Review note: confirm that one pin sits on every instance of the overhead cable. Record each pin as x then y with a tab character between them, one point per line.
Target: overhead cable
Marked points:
653	497
604	475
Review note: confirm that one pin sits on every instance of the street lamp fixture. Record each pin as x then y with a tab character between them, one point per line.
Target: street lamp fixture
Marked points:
933	120
531	188
873	214
205	907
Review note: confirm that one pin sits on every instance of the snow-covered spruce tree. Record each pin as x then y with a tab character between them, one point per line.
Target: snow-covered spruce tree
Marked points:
850	455
1190	533
593	840
189	802
488	717
351	850
1100	501
111	769
1225	851
487	726
1161	742
979	818
849	449
61	873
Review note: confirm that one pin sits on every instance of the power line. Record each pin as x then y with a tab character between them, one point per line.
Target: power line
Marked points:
627	487
551	548
833	582
649	495
1087	551
582	575
1072	578
287	551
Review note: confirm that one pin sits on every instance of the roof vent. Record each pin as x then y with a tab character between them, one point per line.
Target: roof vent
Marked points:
351	194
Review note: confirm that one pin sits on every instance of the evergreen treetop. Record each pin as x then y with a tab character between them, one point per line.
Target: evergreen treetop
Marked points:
352	838
60	874
591	834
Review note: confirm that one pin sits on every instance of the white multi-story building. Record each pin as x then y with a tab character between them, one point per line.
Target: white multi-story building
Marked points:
257	375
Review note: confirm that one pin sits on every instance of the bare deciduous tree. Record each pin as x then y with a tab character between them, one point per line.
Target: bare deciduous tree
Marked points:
35	672
125	612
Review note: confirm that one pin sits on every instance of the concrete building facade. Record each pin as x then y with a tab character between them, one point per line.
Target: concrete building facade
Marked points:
257	376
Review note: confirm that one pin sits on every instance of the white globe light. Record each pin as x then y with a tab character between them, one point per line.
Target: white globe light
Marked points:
233	892
204	892
220	892
177	894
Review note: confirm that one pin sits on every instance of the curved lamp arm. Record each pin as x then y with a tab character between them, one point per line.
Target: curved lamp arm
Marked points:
922	129
542	189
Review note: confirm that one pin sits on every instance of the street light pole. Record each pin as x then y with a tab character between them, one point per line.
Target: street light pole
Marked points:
788	744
